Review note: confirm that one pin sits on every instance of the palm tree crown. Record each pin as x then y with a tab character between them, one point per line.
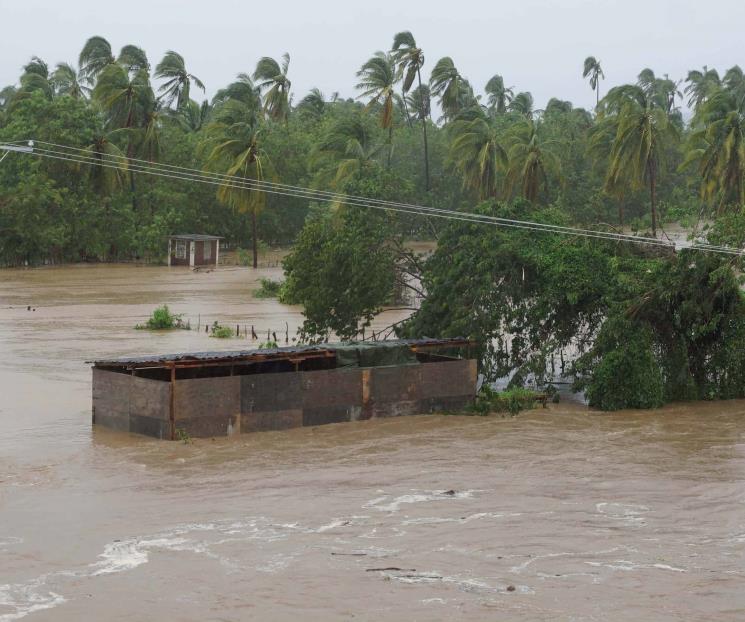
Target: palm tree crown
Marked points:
271	78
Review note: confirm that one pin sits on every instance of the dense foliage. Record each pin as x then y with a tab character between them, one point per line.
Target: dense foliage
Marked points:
635	326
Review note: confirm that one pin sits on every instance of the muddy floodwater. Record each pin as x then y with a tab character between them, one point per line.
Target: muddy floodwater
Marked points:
558	514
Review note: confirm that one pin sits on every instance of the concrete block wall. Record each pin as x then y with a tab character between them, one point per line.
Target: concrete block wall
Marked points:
223	406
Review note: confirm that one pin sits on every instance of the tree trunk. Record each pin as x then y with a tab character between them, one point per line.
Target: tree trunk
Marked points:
620	213
390	144
406	108
653	198
255	239
424	130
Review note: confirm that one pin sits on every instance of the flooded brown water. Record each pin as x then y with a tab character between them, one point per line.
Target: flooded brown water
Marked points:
558	514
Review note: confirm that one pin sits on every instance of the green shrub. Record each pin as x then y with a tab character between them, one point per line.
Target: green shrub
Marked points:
221	332
268	289
162	319
511	401
268	345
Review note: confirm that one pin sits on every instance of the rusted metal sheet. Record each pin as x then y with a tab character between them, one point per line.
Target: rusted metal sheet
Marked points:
321	415
208	426
274	420
271	392
212	397
332	387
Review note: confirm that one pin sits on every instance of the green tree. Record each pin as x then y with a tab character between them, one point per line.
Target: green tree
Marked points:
377	82
531	160
594	72
235	150
95	55
500	95
410	60
178	80
478	155
642	130
65	82
271	78
701	85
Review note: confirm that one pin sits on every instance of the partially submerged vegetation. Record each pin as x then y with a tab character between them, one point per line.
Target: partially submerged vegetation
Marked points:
268	289
163	319
510	401
221	332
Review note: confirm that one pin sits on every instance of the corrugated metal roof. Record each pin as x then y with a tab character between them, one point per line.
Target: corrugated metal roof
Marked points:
285	352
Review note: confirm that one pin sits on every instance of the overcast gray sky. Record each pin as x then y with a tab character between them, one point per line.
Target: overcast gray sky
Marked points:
537	45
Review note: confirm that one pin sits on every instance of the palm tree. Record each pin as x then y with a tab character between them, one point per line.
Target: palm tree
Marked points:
377	81
243	89
594	72
133	59
531	160
347	148
410	60
419	101
234	143
35	77
719	149
65	81
500	96
192	116
95	55
701	85
272	78
734	82
522	103
178	81
314	102
478	155
642	130
447	84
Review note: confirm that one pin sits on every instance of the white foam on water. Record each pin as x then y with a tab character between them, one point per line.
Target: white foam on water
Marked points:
433	520
9	541
27	598
625	565
435	495
628	512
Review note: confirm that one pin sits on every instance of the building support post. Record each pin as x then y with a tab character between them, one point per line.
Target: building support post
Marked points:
172	410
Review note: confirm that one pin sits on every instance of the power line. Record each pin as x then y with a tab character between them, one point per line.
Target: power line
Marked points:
136	165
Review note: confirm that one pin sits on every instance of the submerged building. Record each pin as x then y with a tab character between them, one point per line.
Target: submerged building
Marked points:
207	394
193	249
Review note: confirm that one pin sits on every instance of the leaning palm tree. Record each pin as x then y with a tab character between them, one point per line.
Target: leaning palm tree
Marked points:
447	84
133	59
178	80
347	148
734	82
66	82
271	78
531	161
377	82
419	100
719	150
95	55
410	60
643	130
235	150
192	116
500	95
594	72
522	104
314	102
477	153
701	85
243	89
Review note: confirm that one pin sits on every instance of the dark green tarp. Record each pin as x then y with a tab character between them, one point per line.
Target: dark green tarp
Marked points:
375	354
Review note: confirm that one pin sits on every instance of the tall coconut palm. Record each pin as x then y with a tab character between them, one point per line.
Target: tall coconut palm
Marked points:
192	116
500	95
734	82
594	72
271	79
95	55
477	153
522	103
531	160
178	80
346	149
642	132
243	89
235	150
66	82
314	102
419	100
377	81
133	59
701	85
447	84
719	150
410	60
